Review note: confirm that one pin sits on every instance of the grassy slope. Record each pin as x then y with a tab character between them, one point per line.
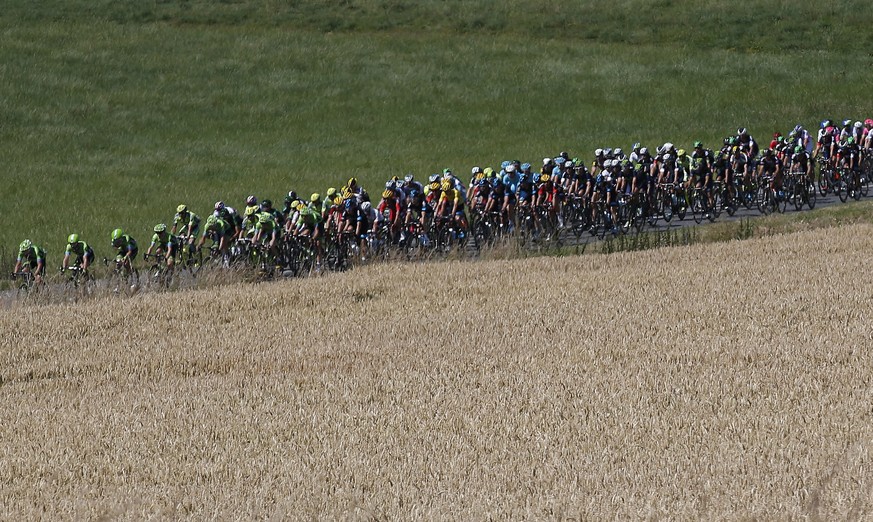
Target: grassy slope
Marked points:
114	112
697	402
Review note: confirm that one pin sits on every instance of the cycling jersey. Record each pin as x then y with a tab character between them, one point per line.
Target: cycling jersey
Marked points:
183	220
168	242
33	255
79	248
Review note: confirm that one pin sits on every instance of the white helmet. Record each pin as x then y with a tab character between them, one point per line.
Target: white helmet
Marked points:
598	152
546	161
668	146
858	124
644	151
476	170
619	152
510	169
366	206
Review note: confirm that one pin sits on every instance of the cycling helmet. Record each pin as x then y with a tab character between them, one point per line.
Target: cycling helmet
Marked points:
346	193
510	169
435	185
742	131
569	164
824	123
635	147
390	185
564	154
525	167
331	192
182	208
447	172
868	122
116	234
644	151
219	206
847	122
698	144
266	204
798	128
488	172
315	197
546	161
388	193
680	153
446	185
619	152
433	178
337	200
251	201
476	170
768	152
559	161
160	228
668	146
505	164
292	194
25	246
366	206
74	238
858	125
408	178
263	217
352	182
211	221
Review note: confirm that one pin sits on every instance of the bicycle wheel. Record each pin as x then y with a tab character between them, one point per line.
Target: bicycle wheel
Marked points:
864	182
698	209
797	196
781	201
666	204
764	200
841	189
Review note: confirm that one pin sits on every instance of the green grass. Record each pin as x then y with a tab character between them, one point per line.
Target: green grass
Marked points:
112	113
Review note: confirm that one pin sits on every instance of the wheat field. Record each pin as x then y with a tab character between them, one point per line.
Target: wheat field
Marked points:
726	381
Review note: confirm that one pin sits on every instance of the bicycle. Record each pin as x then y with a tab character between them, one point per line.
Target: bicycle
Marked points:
25	283
123	276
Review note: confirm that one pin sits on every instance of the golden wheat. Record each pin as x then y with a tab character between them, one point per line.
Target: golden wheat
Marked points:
725	381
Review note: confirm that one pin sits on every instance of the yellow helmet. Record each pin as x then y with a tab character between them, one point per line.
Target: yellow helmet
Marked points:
681	152
315	197
545	178
337	200
388	194
331	192
347	193
182	208
435	185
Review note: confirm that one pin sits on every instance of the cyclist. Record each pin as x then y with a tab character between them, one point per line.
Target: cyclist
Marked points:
166	243
771	167
31	258
249	222
230	216
451	204
125	249
220	231
267	206
187	225
390	202
83	252
745	140
267	232
826	144
700	171
801	162
605	190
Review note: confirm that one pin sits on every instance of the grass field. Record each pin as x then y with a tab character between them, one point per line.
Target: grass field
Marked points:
726	381
112	113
